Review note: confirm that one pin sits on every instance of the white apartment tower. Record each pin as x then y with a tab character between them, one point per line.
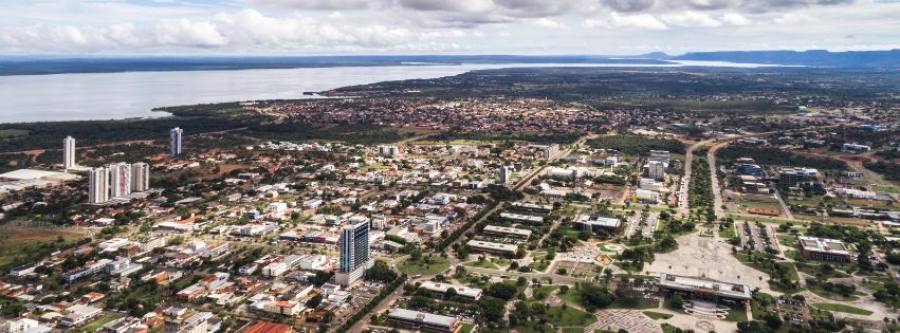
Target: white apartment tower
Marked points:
140	177
69	153
175	141
120	179
98	185
505	174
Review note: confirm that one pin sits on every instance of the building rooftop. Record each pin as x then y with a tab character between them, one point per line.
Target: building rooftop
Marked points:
423	317
522	217
508	230
492	246
599	221
697	284
443	287
825	245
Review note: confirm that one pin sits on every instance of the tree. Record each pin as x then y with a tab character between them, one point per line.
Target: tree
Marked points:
595	297
314	301
676	302
502	290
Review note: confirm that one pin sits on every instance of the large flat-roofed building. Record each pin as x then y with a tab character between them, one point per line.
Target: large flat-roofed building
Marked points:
507	231
424	321
597	224
491	247
531	207
703	288
824	249
441	288
522	218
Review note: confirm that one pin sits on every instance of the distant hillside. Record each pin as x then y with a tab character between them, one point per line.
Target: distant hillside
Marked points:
819	58
21	65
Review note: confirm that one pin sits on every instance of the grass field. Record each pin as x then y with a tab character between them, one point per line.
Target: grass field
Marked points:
835	307
21	243
423	267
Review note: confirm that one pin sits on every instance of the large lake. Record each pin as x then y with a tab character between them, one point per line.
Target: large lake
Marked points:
29	98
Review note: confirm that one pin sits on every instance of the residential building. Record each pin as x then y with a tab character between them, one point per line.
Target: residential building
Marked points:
98	185
140	177
119	180
175	141
655	170
68	152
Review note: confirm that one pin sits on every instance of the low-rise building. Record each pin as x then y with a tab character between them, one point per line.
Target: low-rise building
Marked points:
824	249
491	247
423	321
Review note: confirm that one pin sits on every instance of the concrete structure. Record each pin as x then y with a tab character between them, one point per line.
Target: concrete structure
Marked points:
389	151
855	148
79	314
507	231
175	141
531	207
522	218
423	321
23	325
441	289
140	177
119	180
703	289
646	196
505	175
491	247
824	249
354	245
790	177
69	153
598	224
655	170
98	185
661	156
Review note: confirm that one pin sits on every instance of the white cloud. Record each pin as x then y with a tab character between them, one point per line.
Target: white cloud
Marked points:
735	19
548	23
637	21
690	19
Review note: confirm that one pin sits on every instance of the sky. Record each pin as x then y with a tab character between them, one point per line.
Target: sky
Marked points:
338	27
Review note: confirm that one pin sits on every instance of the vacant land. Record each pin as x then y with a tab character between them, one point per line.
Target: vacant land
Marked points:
19	244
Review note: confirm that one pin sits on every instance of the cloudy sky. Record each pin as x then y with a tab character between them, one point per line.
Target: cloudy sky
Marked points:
300	27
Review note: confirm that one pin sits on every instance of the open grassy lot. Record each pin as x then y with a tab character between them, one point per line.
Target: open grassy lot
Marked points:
836	307
20	244
568	318
424	266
